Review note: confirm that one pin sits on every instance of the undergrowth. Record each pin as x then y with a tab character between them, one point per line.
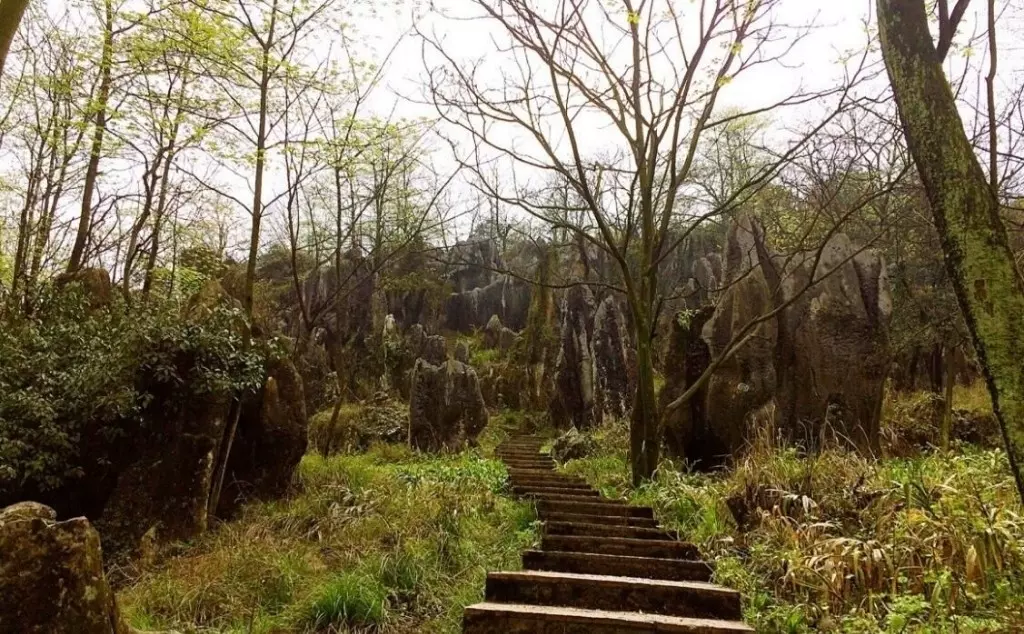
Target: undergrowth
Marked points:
836	542
386	541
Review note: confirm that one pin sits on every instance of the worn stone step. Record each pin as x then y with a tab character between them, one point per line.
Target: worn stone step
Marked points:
559	483
612	520
520	453
662	549
508	618
622	594
554	490
592	508
528	464
620	565
605	530
518	471
572	497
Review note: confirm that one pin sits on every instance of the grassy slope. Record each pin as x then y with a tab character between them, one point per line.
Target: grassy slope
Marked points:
385	541
838	543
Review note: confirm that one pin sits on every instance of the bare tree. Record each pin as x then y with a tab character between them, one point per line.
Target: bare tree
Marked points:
651	75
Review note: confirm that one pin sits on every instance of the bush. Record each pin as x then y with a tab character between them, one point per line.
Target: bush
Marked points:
74	377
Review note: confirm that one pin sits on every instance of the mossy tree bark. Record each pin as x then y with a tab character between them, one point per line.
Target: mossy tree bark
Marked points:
10	17
988	285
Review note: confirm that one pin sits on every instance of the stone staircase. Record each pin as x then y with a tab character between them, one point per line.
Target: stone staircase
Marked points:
603	566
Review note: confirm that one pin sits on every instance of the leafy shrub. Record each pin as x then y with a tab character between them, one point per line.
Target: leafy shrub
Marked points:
72	376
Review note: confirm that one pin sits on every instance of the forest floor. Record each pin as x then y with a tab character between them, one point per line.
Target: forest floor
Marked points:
392	541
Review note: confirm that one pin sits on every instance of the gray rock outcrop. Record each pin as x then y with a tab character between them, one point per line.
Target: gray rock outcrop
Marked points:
446	407
613	355
576	399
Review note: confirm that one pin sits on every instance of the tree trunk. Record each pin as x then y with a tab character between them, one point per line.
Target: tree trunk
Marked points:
10	17
988	286
947	401
100	127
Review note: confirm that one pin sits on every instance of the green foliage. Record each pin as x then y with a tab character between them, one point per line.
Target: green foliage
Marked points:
349	599
389	540
836	542
72	373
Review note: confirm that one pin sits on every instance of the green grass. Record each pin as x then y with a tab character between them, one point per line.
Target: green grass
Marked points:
839	543
386	541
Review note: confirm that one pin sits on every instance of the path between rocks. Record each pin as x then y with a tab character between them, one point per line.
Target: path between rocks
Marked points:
603	566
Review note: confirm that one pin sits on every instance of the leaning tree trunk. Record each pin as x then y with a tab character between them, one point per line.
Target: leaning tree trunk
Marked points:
988	285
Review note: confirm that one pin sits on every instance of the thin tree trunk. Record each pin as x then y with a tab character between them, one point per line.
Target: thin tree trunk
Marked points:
988	285
254	245
947	401
100	127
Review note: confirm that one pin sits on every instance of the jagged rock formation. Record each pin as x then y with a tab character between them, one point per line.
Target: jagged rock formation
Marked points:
612	353
269	442
577	398
688	432
51	575
746	381
822	359
446	407
506	297
435	349
462	352
832	370
572	445
342	299
498	336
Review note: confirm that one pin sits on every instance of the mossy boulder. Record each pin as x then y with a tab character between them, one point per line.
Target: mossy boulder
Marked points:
51	575
270	440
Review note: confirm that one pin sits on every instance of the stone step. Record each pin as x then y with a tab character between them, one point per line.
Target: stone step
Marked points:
489	618
558	483
592	508
528	464
622	594
554	490
571	497
610	520
662	549
528	472
520	453
604	530
617	565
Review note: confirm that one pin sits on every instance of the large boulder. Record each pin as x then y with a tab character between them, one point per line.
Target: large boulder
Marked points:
446	407
497	336
613	353
164	489
572	445
94	283
51	575
359	425
576	399
270	439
